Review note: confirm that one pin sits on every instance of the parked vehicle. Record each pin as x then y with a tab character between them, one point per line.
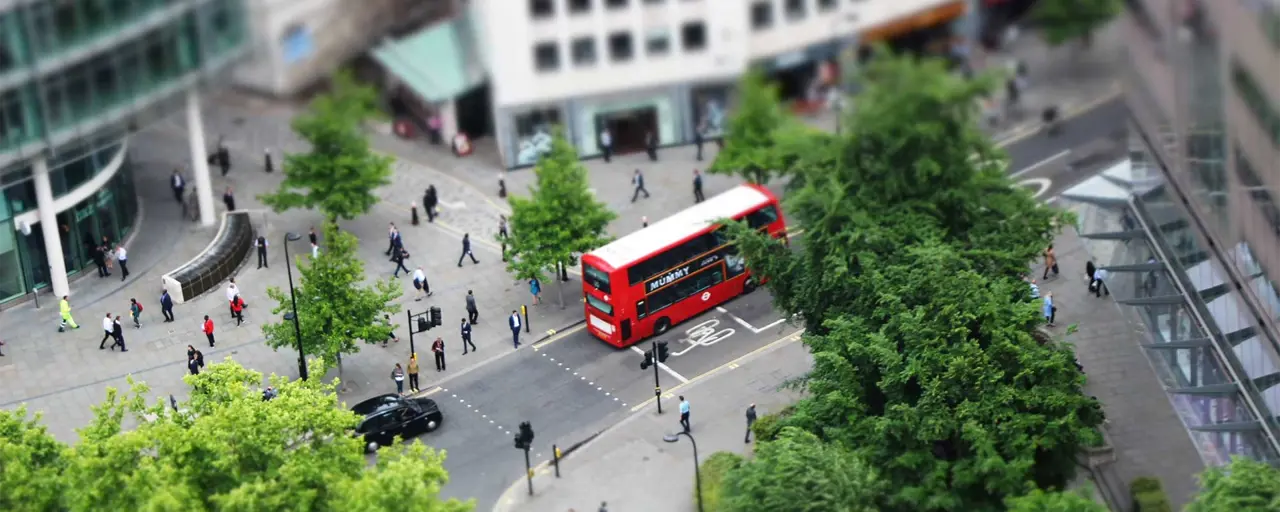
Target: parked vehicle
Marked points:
389	416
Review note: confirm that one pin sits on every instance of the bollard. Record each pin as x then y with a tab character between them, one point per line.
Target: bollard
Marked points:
555	457
525	309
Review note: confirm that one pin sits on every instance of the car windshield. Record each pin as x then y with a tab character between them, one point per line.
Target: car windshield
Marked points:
376	403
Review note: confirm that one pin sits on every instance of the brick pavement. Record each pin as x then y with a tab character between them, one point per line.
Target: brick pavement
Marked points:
62	375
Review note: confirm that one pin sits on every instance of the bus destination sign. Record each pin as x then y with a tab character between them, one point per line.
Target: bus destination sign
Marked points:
679	272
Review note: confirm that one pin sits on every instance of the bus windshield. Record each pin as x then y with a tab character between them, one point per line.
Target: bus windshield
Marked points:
603	306
597	278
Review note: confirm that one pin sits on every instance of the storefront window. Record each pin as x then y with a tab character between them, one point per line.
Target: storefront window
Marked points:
710	110
533	134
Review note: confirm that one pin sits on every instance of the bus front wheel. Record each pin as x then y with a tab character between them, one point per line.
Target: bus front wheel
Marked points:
662	326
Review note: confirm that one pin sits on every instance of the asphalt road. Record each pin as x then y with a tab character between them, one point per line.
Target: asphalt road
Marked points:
1086	143
572	387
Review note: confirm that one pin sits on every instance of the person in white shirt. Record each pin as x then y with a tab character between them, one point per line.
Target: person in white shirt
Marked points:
122	257
606	144
420	284
108	327
315	250
232	292
1100	283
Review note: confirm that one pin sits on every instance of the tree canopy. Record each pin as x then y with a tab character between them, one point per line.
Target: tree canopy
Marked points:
1040	501
1245	485
751	139
340	173
224	450
335	307
559	219
908	282
1066	20
814	477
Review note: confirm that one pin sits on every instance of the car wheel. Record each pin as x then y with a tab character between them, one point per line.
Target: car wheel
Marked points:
371	447
749	285
432	424
662	326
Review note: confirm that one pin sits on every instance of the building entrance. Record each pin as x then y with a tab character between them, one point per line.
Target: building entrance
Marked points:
629	127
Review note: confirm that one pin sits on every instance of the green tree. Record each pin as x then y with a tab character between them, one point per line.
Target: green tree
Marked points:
224	451
560	219
31	463
751	148
908	282
340	173
797	471
335	308
1066	20
1245	485
1067	501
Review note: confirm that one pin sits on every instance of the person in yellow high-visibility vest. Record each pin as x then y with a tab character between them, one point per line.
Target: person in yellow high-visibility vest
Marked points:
65	308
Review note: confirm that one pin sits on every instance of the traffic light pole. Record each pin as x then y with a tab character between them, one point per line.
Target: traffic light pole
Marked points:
657	386
528	470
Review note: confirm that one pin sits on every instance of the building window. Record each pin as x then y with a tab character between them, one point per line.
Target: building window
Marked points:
620	48
693	36
584	51
1256	100
546	57
657	43
616	4
542	8
827	5
762	15
795	9
579	6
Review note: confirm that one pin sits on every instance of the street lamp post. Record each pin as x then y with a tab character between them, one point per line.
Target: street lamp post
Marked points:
697	472
293	315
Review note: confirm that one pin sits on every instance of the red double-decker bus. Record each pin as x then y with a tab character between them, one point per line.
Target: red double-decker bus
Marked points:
647	281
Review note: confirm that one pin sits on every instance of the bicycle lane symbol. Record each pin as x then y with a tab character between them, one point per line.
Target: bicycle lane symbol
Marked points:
704	334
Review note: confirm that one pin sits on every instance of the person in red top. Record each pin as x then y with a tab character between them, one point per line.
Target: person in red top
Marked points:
237	307
208	329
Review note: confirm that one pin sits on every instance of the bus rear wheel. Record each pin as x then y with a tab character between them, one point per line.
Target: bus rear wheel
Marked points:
749	285
662	326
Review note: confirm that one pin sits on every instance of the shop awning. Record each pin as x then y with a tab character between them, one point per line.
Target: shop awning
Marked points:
439	63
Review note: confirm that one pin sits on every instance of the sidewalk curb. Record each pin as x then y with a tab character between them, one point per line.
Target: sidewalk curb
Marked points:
506	502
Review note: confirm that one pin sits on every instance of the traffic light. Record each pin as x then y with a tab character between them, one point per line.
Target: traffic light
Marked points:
648	360
524	439
436	316
663	353
422	324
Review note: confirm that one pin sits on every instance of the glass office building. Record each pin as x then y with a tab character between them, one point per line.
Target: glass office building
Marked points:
76	77
1193	244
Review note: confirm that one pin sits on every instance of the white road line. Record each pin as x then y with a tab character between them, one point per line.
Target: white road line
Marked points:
744	323
664	367
775	322
1061	155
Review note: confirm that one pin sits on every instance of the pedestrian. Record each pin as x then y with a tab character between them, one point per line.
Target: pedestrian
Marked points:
64	309
313	237
502	235
466	250
224	158
437	348
535	289
100	260
166	305
122	257
413	213
108	254
466	337
1	348
473	313
269	394
267	164
644	221
697	141
751	420
233	291
315	250
697	187
1100	283
1050	311
651	145
514	323
208	329
684	415
420	284
1050	262
398	257
391	331
604	507
397	375
637	180
606	144
1089	270
413	373
1035	289
195	360
229	199
237	309
431	200
118	331
108	331
135	310
391	239
261	244
178	184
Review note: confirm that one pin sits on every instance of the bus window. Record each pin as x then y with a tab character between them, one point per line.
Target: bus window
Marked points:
600	305
596	278
685	288
641	310
762	217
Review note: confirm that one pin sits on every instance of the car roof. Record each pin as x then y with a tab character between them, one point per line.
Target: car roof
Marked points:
377	404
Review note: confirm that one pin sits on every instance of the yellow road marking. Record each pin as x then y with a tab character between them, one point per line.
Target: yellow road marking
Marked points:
432	391
1076	111
557	336
790	338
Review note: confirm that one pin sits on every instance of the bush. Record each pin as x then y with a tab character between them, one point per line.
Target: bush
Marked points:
1149	496
713	471
766	427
